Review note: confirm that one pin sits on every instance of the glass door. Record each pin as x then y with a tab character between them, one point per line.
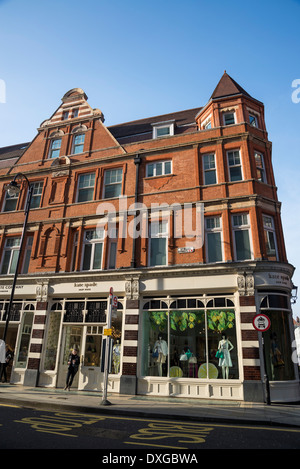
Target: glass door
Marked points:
91	377
72	338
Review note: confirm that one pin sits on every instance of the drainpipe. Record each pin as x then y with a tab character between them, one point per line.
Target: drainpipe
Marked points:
137	161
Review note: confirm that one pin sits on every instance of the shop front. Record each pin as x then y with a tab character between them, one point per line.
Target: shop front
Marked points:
80	325
191	346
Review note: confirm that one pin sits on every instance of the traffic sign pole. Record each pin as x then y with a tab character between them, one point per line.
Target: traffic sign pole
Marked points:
107	349
262	323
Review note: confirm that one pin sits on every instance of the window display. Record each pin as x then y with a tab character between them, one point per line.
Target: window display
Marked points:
182	340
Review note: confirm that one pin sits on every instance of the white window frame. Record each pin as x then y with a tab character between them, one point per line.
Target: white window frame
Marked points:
235	165
242	225
27	253
269	228
261	169
53	150
12	245
158	229
209	169
80	145
37	193
82	175
93	238
9	198
160	126
111	182
155	165
227	114
214	225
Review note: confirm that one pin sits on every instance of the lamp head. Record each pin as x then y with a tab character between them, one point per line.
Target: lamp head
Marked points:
12	189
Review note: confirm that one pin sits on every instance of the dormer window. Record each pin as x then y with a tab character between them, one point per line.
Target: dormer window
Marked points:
163	129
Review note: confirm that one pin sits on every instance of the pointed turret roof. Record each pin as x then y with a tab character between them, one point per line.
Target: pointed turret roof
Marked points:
228	87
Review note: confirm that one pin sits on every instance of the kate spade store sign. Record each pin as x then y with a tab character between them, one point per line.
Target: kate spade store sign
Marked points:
273	279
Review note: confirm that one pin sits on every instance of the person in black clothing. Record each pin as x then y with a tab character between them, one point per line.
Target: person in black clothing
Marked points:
73	365
8	358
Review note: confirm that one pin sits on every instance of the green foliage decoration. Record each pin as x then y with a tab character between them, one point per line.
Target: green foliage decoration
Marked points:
219	320
179	320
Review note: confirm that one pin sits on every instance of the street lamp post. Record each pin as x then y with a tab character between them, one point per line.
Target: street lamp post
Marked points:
13	189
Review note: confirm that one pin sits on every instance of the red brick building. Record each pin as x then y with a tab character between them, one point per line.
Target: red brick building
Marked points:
179	214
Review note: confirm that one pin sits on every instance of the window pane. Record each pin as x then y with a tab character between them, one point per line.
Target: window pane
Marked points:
158	168
235	174
5	263
158	251
85	195
214	247
113	190
242	245
52	340
150	168
161	131
168	167
229	118
10	203
278	347
87	257
112	255
210	177
97	264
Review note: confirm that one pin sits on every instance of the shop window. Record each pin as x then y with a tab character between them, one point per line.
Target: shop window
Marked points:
112	183
235	166
209	168
184	343
53	329
93	346
241	234
279	364
22	354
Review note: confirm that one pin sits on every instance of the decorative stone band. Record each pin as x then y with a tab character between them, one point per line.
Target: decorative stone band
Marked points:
38	334
250	344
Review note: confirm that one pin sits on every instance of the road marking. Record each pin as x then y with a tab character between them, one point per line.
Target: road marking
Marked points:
153	445
10	405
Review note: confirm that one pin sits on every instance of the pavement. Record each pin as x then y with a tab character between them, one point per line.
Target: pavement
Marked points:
174	408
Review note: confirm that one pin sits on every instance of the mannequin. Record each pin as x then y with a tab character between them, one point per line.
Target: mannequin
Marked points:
225	362
161	347
116	356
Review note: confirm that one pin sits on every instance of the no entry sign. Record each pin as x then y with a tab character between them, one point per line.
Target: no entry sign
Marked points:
261	322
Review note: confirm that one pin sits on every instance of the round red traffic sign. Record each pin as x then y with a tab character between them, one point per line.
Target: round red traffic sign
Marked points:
261	322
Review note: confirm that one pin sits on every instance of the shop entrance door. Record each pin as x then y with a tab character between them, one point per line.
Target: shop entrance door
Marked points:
91	377
72	337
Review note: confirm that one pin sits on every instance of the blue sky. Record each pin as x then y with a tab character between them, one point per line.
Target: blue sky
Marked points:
136	59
